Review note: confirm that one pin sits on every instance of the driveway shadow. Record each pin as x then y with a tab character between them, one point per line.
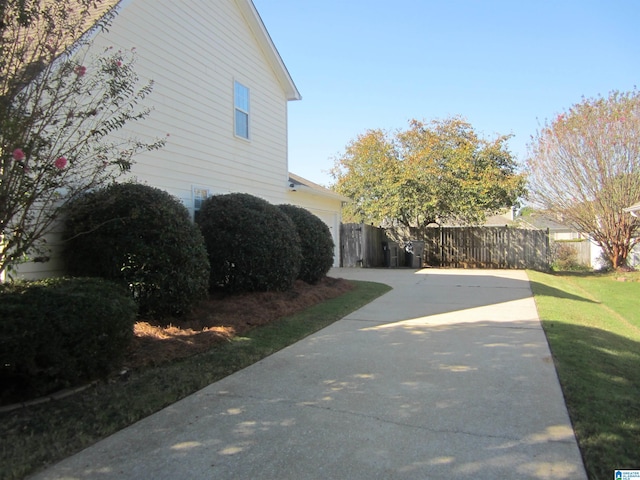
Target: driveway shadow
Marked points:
418	294
448	375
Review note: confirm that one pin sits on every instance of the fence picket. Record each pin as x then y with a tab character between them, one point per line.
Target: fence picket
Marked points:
454	247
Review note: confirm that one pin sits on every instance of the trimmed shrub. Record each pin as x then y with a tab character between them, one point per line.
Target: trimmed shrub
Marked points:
252	244
142	238
61	332
316	243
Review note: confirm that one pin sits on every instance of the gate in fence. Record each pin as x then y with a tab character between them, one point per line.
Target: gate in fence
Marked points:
362	245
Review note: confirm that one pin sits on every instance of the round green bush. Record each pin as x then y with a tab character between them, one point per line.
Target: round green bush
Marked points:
316	243
142	238
61	332
252	244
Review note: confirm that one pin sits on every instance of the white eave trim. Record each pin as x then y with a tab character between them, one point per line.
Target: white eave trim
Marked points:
256	24
304	185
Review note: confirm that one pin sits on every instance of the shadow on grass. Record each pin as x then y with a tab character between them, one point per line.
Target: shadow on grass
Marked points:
600	376
546	290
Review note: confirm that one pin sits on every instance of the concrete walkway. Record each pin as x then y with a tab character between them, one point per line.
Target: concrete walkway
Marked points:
447	376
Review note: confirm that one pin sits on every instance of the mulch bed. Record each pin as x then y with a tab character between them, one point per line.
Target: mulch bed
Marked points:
220	318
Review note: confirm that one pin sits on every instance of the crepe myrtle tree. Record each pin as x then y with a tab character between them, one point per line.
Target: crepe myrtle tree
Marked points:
584	167
63	112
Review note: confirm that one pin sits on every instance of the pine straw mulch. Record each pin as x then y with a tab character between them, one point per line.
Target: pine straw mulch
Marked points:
220	318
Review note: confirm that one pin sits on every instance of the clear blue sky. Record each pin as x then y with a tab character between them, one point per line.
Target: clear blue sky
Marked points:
505	66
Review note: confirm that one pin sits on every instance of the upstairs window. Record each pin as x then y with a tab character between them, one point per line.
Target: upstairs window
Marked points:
241	104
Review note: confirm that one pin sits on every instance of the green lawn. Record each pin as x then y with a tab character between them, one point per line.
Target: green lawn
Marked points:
592	322
36	436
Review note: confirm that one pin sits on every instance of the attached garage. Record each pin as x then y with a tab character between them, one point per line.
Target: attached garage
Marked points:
320	201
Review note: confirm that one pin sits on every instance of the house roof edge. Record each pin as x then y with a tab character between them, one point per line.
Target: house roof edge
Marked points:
262	34
314	188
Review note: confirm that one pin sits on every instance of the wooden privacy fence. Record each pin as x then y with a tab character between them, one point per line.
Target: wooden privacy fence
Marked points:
487	247
361	245
454	247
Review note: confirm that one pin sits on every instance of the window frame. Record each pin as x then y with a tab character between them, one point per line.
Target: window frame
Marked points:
196	199
242	109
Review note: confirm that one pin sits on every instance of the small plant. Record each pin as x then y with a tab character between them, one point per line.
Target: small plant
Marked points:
252	244
316	242
565	259
142	238
61	332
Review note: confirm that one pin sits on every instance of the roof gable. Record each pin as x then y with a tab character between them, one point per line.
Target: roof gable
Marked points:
84	23
256	25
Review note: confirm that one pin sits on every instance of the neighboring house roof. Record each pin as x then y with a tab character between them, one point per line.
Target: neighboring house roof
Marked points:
502	219
302	184
634	209
542	222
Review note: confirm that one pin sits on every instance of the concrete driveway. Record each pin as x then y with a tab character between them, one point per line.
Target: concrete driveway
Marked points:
449	375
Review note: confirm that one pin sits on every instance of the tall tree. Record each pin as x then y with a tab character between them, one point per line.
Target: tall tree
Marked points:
584	167
430	173
63	109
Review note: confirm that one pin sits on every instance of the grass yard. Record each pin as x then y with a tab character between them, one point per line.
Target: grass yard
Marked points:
40	435
592	322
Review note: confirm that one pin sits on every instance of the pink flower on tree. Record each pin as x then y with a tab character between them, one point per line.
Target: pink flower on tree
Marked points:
80	70
18	154
60	163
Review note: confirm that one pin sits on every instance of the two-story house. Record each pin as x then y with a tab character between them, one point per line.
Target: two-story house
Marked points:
220	96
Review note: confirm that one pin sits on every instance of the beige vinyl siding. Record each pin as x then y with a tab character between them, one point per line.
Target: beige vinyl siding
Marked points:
194	51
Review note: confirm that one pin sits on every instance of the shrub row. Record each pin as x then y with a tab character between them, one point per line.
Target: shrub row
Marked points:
60	332
142	238
134	249
254	245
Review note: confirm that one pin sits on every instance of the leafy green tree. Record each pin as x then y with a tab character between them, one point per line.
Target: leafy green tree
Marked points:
63	111
431	173
584	167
